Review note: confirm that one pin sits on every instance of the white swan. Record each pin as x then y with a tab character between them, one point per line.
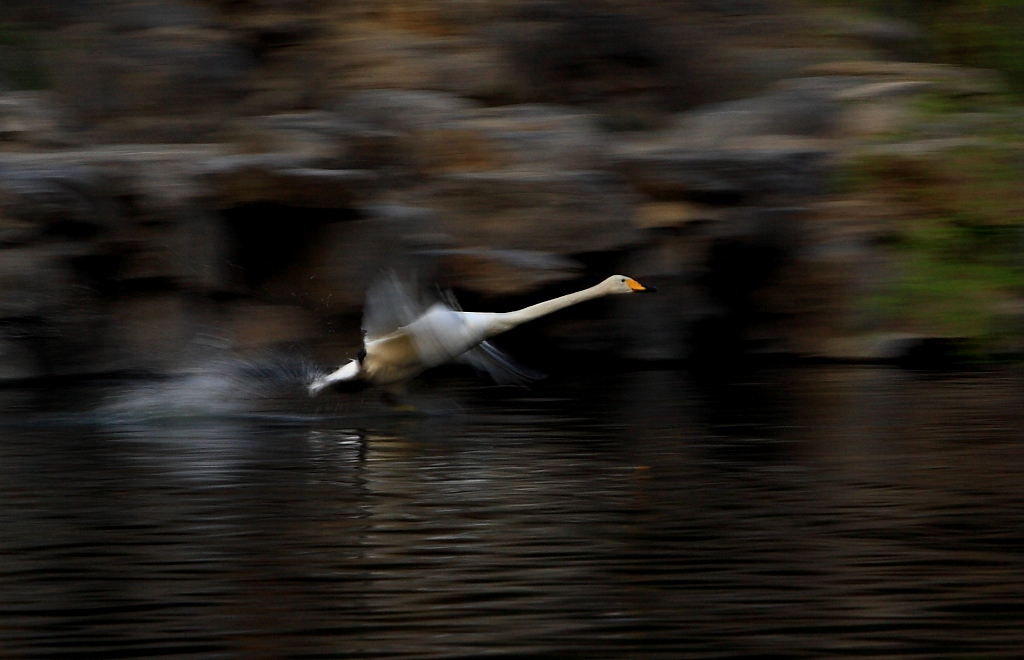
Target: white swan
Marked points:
401	340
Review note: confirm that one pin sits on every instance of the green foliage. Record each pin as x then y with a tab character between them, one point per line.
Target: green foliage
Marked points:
988	34
951	281
957	243
938	105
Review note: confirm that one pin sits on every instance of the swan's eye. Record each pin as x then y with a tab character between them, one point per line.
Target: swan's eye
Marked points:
623	279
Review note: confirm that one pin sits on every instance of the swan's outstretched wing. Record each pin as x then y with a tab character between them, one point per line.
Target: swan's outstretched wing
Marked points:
499	365
490	359
437	329
391	303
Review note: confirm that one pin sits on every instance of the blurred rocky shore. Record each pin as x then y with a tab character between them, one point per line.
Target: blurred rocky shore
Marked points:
232	173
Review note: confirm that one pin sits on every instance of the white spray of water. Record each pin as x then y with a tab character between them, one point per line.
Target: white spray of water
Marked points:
222	387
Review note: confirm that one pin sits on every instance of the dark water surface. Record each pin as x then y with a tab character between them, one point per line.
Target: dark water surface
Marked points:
810	512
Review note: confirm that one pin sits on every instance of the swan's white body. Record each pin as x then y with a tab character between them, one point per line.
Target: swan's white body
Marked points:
442	334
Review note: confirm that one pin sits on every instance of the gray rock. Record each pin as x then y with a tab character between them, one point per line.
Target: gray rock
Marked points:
137	207
321	123
749	175
591	56
558	212
31	118
403	109
190	72
133	15
330	137
63	197
409	131
926	147
736	7
885	90
18	360
160	182
344	257
34	283
183	67
536	136
433	132
285	179
741	150
802	107
953	79
189	252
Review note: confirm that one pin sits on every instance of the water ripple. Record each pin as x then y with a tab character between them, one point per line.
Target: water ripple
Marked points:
656	519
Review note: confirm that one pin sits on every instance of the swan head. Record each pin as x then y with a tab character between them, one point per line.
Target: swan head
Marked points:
623	284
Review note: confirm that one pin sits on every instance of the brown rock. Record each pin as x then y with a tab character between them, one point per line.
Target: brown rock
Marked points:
189	253
662	215
503	272
440	133
316	134
151	332
372	56
344	257
557	212
456	148
285	179
192	71
536	136
751	175
256	326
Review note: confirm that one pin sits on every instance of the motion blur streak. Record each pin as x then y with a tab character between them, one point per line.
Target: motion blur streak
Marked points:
836	512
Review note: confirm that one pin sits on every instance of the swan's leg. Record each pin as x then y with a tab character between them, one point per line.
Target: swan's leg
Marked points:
395	395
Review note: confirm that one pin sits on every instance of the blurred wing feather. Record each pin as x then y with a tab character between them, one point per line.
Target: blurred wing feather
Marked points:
488	358
499	365
391	303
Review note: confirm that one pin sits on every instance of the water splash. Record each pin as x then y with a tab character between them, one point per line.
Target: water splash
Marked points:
219	388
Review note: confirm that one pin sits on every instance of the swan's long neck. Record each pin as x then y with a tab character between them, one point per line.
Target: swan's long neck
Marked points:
509	320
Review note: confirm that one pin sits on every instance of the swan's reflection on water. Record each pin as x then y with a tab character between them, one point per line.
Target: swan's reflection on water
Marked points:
790	512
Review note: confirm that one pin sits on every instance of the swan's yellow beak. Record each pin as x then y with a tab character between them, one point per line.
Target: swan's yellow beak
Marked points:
636	286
